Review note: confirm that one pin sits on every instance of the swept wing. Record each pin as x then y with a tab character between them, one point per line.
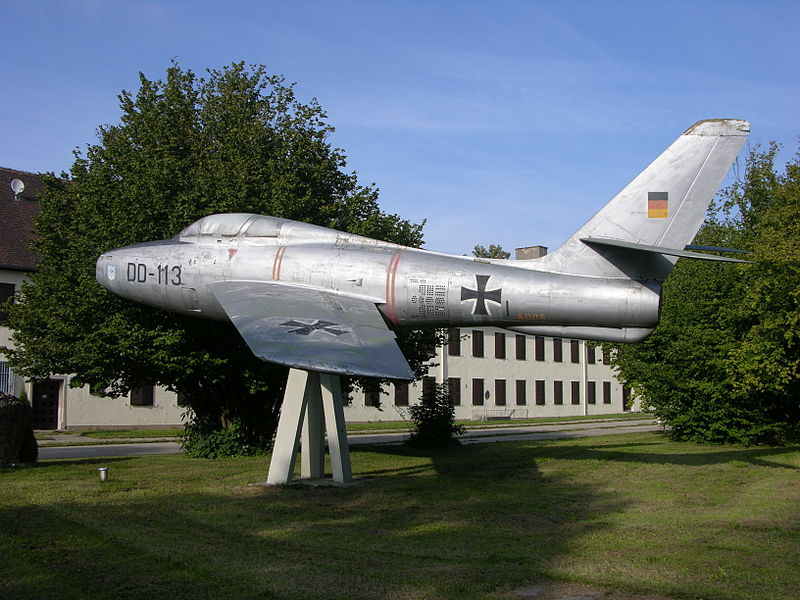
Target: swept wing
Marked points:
312	329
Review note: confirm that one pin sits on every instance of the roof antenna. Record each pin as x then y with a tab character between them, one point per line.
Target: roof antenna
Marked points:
18	186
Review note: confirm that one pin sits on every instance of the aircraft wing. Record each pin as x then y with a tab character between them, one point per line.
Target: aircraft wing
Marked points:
312	329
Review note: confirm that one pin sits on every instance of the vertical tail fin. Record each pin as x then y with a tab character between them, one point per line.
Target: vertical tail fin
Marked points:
664	206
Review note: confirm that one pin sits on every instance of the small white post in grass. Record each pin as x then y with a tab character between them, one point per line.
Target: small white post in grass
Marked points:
103	473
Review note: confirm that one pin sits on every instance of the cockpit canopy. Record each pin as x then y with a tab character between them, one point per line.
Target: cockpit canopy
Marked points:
234	224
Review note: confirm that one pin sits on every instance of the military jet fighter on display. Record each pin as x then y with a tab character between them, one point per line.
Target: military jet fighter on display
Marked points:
323	300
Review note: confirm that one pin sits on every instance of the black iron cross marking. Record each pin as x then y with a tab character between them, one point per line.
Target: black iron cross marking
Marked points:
309	328
481	295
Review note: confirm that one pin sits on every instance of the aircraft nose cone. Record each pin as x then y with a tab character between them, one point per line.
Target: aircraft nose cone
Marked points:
106	270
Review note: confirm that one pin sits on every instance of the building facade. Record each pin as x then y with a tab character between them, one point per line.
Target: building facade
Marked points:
492	373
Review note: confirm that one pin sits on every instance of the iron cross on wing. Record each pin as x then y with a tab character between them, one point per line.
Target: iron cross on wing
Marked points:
481	295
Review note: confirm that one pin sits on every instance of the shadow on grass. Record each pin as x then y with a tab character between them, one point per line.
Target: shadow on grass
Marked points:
464	522
475	521
698	455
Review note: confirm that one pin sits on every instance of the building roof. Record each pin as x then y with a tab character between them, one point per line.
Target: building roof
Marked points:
16	220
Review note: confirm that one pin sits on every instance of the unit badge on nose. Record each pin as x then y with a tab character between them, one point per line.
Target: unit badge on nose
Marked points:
111	271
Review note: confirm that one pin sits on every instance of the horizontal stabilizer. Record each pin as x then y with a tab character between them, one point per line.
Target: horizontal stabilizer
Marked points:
659	250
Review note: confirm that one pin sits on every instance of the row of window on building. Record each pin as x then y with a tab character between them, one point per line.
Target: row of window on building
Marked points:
520	347
559	394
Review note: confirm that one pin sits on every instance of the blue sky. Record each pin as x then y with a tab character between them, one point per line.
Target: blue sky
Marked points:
498	122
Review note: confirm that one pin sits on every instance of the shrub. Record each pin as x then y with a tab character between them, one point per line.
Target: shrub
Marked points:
201	442
434	419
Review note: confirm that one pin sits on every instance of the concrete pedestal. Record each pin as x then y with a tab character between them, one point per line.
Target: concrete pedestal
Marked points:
312	405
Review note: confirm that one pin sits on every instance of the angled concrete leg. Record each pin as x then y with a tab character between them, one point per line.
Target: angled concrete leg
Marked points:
312	403
337	430
284	450
312	454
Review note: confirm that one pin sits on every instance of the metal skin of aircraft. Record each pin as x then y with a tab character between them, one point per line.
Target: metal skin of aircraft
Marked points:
322	300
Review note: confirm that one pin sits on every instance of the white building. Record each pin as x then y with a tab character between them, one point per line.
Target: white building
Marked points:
495	374
491	373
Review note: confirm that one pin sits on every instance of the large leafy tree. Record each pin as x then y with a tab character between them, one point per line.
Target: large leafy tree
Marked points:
724	364
236	140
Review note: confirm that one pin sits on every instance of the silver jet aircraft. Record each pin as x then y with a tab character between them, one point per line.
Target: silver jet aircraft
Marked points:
323	300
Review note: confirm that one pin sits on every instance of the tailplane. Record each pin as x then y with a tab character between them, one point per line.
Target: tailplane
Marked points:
644	229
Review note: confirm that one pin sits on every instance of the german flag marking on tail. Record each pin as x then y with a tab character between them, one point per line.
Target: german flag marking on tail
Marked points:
657	205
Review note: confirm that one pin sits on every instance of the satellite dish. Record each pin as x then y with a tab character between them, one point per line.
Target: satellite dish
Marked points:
18	186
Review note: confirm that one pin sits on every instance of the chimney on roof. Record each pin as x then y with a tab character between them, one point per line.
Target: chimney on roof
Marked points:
530	252
18	186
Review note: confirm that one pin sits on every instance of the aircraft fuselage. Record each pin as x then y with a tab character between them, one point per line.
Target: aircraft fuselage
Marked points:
411	287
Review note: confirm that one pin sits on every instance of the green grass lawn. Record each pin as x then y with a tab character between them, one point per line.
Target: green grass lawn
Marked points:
629	512
122	434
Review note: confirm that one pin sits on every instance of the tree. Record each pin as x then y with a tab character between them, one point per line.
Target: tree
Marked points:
237	140
434	419
493	251
724	364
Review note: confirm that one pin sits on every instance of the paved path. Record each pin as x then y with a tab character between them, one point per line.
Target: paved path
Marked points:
551	431
106	450
473	436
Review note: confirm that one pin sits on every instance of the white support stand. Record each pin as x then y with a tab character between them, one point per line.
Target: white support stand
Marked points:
312	404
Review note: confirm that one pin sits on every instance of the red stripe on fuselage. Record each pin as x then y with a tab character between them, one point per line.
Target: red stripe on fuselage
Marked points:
276	266
391	275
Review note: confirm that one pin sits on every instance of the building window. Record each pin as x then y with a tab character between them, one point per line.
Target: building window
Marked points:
454	390
576	392
520	347
626	398
428	386
522	399
591	392
372	393
558	392
6	293
538	348
590	354
574	351
606	356
454	342
6	379
401	393
500	392
477	343
539	392
606	392
477	392
499	345
558	350
142	396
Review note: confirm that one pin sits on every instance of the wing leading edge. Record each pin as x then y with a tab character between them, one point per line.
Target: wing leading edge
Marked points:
312	329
